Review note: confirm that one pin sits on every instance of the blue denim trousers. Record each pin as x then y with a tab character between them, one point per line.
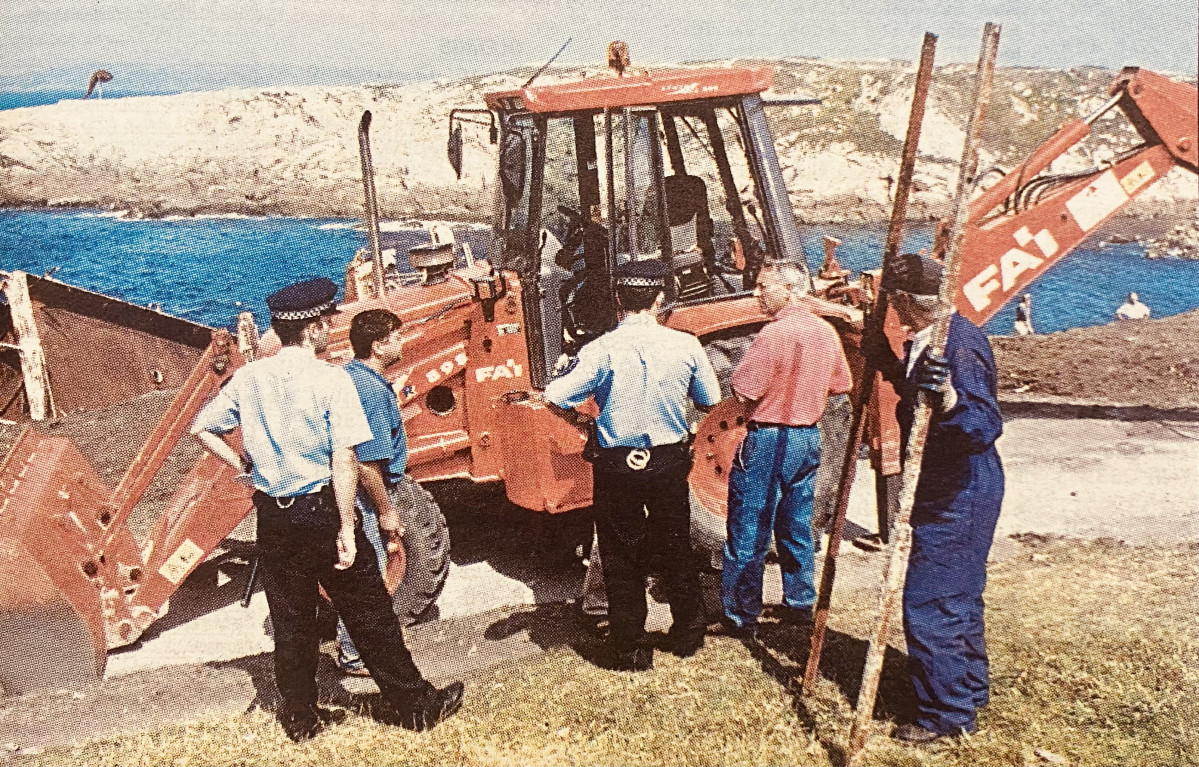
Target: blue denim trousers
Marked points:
771	486
347	653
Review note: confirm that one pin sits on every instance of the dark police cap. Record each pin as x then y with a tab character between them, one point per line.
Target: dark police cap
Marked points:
642	274
305	300
913	273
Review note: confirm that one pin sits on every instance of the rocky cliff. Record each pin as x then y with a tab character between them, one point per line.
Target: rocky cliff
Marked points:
293	151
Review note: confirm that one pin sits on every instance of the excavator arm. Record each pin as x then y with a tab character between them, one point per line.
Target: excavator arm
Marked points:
1030	220
74	583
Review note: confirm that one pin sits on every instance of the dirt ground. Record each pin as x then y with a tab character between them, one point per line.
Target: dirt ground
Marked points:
1135	362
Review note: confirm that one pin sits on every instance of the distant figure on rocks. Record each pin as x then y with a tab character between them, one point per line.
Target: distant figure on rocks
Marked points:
96	83
1023	323
1132	309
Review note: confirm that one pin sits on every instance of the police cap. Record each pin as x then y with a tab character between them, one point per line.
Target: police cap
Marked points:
650	273
305	300
913	273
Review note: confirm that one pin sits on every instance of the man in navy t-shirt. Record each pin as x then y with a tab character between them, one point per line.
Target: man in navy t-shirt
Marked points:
375	338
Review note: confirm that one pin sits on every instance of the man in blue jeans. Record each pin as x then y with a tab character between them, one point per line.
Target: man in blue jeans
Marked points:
787	375
375	338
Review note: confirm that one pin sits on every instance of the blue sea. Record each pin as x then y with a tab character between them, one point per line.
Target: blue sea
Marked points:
207	269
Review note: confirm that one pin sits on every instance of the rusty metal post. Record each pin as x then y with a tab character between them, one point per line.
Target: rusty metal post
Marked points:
896	572
29	346
828	573
372	203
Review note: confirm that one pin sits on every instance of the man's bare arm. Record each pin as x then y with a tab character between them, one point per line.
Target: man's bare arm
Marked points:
345	487
569	414
216	444
370	476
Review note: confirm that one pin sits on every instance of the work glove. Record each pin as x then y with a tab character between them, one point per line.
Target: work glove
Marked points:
932	375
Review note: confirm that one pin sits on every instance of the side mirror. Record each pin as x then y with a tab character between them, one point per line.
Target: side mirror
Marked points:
453	149
513	158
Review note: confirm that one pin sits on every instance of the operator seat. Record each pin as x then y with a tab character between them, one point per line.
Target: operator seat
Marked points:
691	232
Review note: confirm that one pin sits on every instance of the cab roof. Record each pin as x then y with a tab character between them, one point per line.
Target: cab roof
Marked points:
634	88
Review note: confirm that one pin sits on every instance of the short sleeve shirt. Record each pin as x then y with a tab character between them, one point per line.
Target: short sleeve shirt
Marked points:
641	375
791	368
294	411
388	443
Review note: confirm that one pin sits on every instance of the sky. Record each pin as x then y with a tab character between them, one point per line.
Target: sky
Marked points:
161	45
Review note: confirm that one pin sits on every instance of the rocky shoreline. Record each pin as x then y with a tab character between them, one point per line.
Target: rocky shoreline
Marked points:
293	151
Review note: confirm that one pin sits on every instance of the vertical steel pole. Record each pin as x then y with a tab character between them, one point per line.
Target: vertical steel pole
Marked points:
372	203
898	564
828	573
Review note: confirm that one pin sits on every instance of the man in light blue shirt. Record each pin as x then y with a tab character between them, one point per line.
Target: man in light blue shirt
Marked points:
641	375
300	420
377	342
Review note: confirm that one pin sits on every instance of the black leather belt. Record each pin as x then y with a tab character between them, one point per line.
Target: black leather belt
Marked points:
755	425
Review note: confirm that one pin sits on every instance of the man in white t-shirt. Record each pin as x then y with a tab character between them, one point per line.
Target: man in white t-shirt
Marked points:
1132	309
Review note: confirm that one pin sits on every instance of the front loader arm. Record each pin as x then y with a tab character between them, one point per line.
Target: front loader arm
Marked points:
1027	222
73	581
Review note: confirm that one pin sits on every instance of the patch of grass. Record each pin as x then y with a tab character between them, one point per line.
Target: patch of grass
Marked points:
1094	657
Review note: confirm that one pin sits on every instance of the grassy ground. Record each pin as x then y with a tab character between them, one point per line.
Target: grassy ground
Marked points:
1095	660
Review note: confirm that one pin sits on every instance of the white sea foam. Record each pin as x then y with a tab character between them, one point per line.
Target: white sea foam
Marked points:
340	225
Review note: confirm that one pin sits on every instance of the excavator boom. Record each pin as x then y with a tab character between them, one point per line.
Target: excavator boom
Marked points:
1030	220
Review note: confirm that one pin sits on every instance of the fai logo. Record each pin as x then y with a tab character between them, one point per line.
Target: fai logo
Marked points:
1015	262
496	372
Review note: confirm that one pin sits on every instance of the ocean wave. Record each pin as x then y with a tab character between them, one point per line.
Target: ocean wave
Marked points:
339	225
118	214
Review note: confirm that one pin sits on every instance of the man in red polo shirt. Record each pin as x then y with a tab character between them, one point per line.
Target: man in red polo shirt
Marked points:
786	376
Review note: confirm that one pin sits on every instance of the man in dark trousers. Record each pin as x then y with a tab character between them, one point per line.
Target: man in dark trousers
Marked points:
377	341
300	420
641	375
957	501
786	376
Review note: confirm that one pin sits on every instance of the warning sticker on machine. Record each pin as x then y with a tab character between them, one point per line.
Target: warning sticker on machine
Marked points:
1097	201
1141	175
181	562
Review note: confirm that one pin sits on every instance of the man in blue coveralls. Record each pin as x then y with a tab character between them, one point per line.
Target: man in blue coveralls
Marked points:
377	342
957	501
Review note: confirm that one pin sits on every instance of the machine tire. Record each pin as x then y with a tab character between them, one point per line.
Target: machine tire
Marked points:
426	551
725	350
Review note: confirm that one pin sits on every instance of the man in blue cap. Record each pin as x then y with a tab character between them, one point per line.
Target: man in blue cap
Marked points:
300	420
641	375
957	505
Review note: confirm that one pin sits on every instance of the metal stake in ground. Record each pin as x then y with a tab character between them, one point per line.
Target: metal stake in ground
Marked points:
902	546
877	317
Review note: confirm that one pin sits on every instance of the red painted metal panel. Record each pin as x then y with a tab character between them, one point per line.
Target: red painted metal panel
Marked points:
635	89
1001	258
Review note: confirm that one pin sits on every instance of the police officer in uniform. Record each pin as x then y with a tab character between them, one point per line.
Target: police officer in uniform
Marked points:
957	505
641	375
300	420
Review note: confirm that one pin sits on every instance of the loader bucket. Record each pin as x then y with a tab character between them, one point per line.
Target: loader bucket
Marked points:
51	627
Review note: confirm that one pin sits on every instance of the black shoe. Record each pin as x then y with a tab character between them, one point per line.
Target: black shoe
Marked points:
436	706
685	642
792	616
746	633
915	735
302	723
637	659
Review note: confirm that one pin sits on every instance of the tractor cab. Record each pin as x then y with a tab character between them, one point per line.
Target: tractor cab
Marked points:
678	165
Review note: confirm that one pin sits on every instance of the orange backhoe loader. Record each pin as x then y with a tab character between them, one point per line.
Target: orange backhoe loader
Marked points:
678	165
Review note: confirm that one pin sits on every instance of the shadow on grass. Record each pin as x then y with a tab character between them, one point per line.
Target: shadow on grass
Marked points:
783	652
261	670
